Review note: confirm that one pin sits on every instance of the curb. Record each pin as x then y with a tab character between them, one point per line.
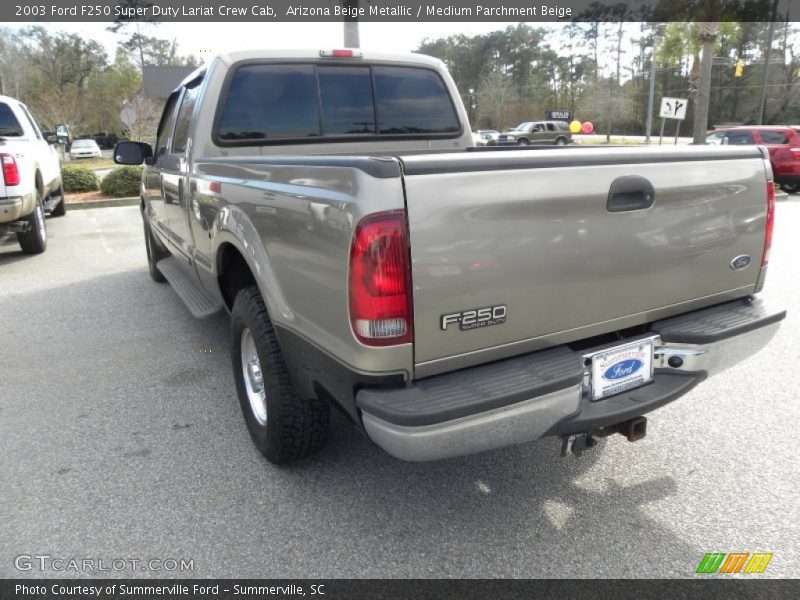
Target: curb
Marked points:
132	201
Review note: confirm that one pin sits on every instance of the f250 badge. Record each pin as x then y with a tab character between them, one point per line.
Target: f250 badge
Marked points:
475	318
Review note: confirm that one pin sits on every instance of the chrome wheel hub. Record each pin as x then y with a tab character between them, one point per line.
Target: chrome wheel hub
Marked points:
253	377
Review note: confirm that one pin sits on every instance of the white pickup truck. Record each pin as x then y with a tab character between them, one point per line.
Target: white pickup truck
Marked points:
31	181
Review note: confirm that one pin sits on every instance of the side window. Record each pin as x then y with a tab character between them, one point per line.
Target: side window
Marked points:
183	122
270	102
166	124
774	137
551	127
740	138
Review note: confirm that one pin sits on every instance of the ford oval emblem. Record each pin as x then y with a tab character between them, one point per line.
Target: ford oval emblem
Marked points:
740	262
623	368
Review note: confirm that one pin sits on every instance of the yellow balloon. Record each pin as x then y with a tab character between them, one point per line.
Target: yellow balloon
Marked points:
575	126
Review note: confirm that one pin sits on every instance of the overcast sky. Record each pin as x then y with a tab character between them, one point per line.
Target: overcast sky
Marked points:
206	39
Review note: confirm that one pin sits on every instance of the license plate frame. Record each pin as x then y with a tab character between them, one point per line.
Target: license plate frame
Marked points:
608	368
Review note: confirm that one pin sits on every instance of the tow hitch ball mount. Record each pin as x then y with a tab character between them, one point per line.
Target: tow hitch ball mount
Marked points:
633	430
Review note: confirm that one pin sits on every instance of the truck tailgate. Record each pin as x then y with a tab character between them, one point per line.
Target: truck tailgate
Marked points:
565	244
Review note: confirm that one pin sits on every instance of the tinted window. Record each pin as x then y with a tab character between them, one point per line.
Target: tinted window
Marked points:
166	125
412	101
774	137
738	138
9	126
551	127
347	104
184	120
270	101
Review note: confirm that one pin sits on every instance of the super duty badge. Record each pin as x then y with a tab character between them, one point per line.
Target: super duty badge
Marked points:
475	318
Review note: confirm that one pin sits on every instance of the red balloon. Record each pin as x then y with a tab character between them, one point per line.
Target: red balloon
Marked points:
587	127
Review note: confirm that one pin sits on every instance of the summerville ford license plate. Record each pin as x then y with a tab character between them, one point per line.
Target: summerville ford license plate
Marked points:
622	368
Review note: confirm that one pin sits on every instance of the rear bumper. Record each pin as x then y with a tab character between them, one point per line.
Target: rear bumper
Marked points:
10	209
545	393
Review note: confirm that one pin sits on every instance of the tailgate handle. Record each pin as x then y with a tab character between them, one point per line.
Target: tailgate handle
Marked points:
630	192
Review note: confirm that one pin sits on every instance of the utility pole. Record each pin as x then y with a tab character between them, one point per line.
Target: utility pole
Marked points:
767	55
707	32
651	92
351	37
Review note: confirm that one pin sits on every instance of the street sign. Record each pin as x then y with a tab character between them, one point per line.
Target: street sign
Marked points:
127	116
673	108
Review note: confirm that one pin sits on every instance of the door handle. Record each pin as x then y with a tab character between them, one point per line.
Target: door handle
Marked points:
630	192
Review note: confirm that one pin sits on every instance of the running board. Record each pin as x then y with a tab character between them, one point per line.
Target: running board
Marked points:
51	202
196	299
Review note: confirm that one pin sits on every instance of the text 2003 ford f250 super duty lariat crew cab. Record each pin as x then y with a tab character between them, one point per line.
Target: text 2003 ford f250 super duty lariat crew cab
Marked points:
446	300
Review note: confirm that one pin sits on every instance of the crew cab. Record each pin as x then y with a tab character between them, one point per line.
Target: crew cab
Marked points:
31	180
446	299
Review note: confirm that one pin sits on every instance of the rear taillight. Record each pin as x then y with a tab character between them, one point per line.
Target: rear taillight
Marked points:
770	222
795	152
10	170
380	281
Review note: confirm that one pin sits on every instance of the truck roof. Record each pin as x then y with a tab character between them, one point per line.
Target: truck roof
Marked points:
314	53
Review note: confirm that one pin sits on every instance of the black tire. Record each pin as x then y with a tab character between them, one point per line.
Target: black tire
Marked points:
61	209
561	141
154	253
522	142
790	188
34	241
293	427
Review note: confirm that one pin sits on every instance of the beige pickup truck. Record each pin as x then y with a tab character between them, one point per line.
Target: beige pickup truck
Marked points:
446	299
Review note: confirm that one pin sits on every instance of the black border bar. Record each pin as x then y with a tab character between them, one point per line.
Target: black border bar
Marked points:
397	10
707	587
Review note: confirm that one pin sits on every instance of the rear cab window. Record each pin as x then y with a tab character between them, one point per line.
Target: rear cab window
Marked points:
266	103
9	125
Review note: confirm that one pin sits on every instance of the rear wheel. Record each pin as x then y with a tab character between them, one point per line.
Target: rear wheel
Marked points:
154	253
790	188
61	209
562	141
34	241
283	426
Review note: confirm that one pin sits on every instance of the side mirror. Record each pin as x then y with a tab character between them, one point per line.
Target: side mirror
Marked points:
50	137
132	153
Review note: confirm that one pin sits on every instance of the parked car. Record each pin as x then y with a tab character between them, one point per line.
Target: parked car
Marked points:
31	180
537	132
783	143
533	308
486	137
84	149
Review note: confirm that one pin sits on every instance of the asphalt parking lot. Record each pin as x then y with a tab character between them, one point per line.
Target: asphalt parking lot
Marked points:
121	437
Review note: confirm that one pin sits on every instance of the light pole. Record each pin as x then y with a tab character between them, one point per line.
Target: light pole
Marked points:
472	107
